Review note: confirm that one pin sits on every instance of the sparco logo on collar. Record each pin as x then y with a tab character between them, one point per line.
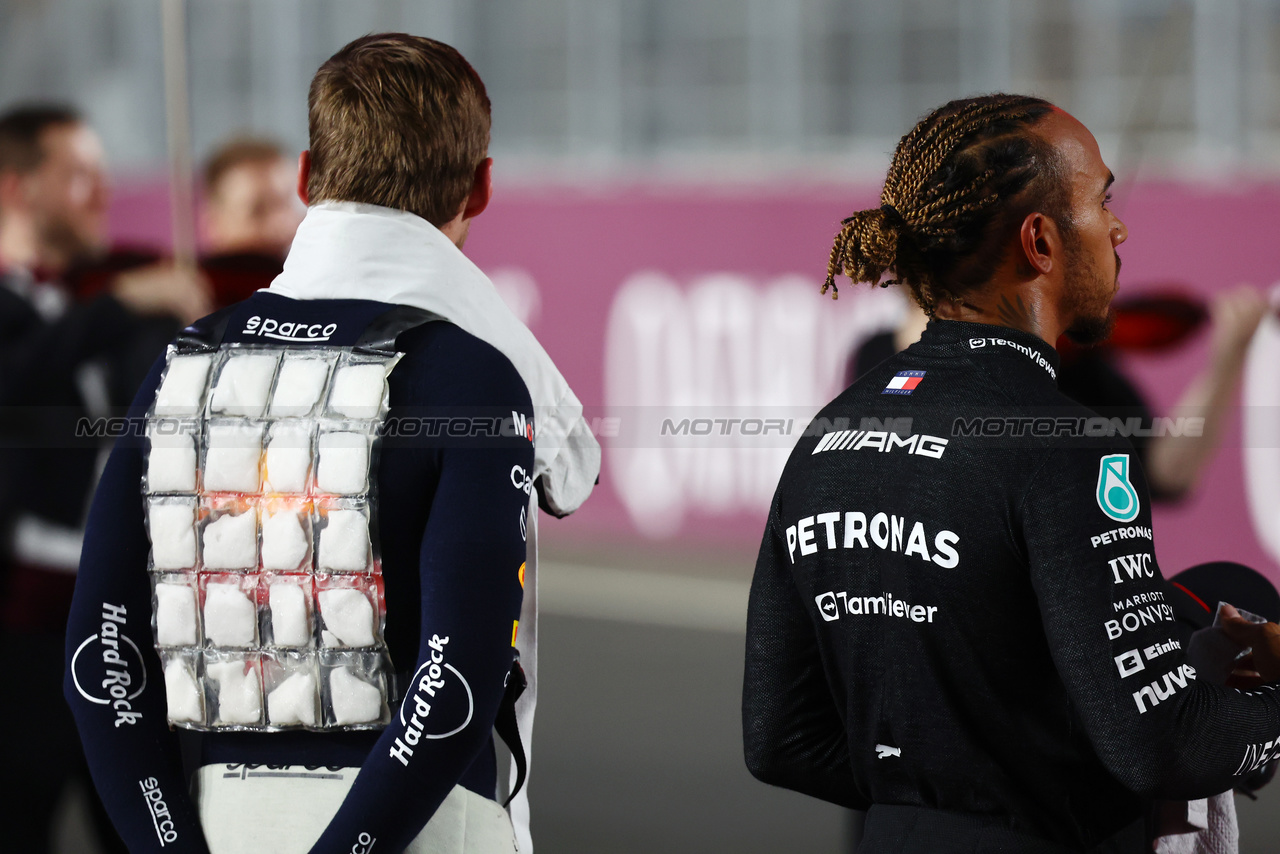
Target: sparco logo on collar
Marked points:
107	668
1116	495
288	331
439	703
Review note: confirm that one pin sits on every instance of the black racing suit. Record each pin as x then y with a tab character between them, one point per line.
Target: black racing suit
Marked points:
958	622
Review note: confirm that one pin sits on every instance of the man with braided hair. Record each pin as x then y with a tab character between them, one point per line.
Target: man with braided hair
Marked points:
957	622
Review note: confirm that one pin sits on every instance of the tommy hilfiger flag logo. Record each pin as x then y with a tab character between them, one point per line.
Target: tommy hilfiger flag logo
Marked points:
904	383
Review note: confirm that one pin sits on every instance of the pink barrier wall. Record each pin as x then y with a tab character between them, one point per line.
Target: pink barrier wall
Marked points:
704	273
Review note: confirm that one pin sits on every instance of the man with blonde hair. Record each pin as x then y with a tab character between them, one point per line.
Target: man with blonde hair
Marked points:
324	581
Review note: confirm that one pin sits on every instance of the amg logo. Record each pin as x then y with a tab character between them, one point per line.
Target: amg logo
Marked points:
883	441
1134	566
288	331
1163	688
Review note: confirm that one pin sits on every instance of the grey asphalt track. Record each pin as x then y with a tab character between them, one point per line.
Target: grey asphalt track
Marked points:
639	749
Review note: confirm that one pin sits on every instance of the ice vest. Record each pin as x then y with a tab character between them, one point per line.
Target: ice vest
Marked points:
268	604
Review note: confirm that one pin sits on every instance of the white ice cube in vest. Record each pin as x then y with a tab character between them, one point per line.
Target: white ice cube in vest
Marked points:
229	615
288	458
230	542
173	536
348	615
284	540
239	694
182	389
233	459
299	387
181	692
171	462
175	615
344	463
344	542
293	701
289	624
354	700
243	385
358	390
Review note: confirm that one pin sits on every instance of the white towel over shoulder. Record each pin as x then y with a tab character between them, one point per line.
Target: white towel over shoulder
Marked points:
345	250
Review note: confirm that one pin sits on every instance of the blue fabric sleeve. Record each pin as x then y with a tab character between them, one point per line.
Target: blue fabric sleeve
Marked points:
114	681
470	567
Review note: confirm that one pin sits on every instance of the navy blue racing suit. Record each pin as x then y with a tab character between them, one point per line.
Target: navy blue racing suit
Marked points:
450	523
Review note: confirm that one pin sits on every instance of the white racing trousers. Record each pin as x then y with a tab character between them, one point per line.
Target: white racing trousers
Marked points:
283	810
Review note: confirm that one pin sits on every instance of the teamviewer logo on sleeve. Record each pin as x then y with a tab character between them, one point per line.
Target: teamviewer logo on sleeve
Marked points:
904	382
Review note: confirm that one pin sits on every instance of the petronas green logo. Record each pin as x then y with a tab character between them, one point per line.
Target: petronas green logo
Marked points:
1116	495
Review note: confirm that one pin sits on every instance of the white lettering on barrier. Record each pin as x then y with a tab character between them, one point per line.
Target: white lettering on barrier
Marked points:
740	347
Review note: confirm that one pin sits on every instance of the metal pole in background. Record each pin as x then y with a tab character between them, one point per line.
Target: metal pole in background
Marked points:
1216	42
182	205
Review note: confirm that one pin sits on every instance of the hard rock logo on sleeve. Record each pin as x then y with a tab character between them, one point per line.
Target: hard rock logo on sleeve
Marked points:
268	605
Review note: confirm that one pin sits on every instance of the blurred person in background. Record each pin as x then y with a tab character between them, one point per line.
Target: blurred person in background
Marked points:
249	216
61	359
1261	455
250	200
1091	376
964	630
